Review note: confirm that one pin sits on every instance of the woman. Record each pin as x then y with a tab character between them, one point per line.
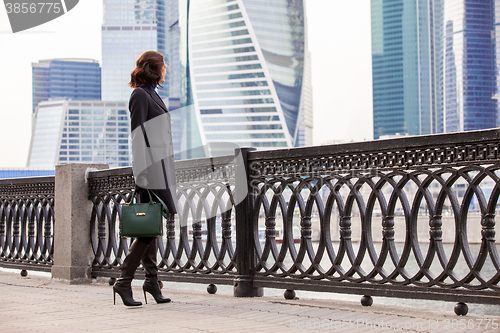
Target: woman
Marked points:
148	138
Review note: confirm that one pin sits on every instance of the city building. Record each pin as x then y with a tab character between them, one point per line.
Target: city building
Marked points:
130	28
66	78
468	64
240	73
434	65
66	131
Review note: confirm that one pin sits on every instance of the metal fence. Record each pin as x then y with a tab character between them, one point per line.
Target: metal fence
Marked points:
411	217
27	223
394	217
202	250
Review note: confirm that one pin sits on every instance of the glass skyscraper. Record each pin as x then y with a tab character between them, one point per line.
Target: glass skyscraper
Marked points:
66	78
238	70
130	28
69	131
241	71
468	64
434	65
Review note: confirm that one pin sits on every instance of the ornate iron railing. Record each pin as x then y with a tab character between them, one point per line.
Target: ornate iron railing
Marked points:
410	217
392	217
27	223
199	240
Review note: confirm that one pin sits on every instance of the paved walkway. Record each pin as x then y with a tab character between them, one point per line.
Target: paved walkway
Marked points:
39	304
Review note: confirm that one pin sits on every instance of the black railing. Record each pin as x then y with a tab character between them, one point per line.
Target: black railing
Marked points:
393	217
27	223
198	246
409	217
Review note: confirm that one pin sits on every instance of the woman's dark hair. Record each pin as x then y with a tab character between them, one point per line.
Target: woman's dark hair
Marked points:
148	70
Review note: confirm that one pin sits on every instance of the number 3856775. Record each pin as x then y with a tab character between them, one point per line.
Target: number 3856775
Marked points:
39	7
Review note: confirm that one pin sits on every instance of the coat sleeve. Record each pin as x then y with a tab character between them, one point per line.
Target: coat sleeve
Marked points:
138	106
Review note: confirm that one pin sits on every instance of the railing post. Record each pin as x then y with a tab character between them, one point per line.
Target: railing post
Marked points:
245	261
72	249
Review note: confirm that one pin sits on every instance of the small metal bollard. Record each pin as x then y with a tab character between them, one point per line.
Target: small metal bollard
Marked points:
366	300
212	288
461	309
289	294
111	281
24	273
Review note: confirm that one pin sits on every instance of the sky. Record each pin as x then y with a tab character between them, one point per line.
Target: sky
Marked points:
338	39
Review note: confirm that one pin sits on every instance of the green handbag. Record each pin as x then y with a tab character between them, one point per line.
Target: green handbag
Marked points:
144	219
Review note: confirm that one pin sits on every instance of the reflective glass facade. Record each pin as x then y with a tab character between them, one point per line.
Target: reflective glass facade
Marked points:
66	78
468	66
186	135
80	131
435	66
224	57
401	62
130	28
247	57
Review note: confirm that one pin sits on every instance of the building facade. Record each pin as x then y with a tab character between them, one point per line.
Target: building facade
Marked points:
66	78
130	28
240	73
434	65
68	131
238	70
468	64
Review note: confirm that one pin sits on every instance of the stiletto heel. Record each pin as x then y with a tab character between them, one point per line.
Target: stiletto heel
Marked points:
145	298
153	288
114	297
123	285
125	293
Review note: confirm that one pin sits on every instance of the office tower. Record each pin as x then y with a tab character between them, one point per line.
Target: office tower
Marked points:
67	131
468	64
130	28
66	78
402	72
434	65
240	71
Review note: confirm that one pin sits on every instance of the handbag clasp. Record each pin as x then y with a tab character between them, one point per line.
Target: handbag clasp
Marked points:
140	214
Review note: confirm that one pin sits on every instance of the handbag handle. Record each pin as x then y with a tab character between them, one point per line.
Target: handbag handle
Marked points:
131	203
165	208
151	202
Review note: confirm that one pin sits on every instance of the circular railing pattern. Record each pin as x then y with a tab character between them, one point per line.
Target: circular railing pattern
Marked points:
27	223
199	239
388	218
402	198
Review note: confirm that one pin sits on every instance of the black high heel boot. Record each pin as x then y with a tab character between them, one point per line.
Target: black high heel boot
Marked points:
151	282
123	285
125	293
151	286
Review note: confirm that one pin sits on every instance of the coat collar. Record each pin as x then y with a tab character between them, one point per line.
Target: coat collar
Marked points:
155	97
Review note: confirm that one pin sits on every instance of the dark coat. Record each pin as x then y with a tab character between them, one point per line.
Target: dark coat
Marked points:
144	105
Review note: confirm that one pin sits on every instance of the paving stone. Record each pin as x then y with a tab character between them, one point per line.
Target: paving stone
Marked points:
55	307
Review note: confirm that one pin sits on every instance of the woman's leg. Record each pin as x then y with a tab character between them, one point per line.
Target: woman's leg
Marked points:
149	262
123	285
151	269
